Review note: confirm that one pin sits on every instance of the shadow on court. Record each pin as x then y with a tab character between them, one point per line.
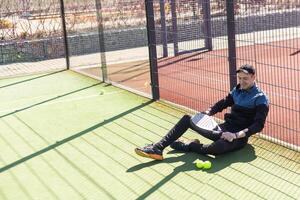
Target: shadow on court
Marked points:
244	155
49	100
31	79
72	137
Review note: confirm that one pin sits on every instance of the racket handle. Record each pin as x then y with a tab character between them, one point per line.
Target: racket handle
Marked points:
216	132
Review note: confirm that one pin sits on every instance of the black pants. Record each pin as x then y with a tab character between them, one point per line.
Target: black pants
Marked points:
217	147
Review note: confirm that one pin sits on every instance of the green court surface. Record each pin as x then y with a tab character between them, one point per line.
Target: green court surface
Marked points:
67	136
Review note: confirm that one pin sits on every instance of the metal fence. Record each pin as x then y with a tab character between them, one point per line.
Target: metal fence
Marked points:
272	46
262	33
194	47
28	33
91	37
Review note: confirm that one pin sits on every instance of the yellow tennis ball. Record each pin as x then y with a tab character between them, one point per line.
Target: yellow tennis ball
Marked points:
101	92
199	164
207	165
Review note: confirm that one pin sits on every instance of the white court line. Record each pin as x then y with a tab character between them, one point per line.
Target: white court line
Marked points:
85	97
65	100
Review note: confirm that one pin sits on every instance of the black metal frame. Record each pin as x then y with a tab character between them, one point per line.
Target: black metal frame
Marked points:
231	42
174	27
207	23
101	40
207	28
163	28
65	35
152	49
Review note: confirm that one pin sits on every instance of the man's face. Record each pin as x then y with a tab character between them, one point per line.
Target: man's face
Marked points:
246	80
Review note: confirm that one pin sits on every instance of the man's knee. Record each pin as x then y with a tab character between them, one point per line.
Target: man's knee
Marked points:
186	118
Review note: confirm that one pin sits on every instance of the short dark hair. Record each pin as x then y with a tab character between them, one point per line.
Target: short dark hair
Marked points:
246	68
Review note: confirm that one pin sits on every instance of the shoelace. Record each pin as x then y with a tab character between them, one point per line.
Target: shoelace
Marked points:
148	145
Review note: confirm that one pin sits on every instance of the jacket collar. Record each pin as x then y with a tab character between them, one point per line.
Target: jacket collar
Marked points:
249	90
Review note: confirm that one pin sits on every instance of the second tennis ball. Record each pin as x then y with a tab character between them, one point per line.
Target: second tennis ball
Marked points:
207	165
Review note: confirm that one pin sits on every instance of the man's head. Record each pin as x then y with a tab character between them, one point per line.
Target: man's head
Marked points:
246	76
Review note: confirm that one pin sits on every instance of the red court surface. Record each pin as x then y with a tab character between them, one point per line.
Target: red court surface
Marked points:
197	80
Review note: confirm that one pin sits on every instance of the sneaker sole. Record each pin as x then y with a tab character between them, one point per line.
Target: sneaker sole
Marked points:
148	155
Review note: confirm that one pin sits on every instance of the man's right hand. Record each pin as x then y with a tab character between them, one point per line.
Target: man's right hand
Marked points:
228	136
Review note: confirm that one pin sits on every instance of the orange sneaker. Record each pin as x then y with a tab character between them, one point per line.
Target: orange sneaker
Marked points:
150	151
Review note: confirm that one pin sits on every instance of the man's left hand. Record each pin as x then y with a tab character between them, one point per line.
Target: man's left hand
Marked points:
228	136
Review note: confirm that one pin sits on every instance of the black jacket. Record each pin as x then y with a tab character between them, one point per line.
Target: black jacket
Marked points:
249	109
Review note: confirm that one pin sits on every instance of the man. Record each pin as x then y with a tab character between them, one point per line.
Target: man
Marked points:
249	110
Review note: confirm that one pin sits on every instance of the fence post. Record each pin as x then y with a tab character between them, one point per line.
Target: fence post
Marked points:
231	42
163	28
65	36
174	26
1	53
152	49
207	23
101	40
